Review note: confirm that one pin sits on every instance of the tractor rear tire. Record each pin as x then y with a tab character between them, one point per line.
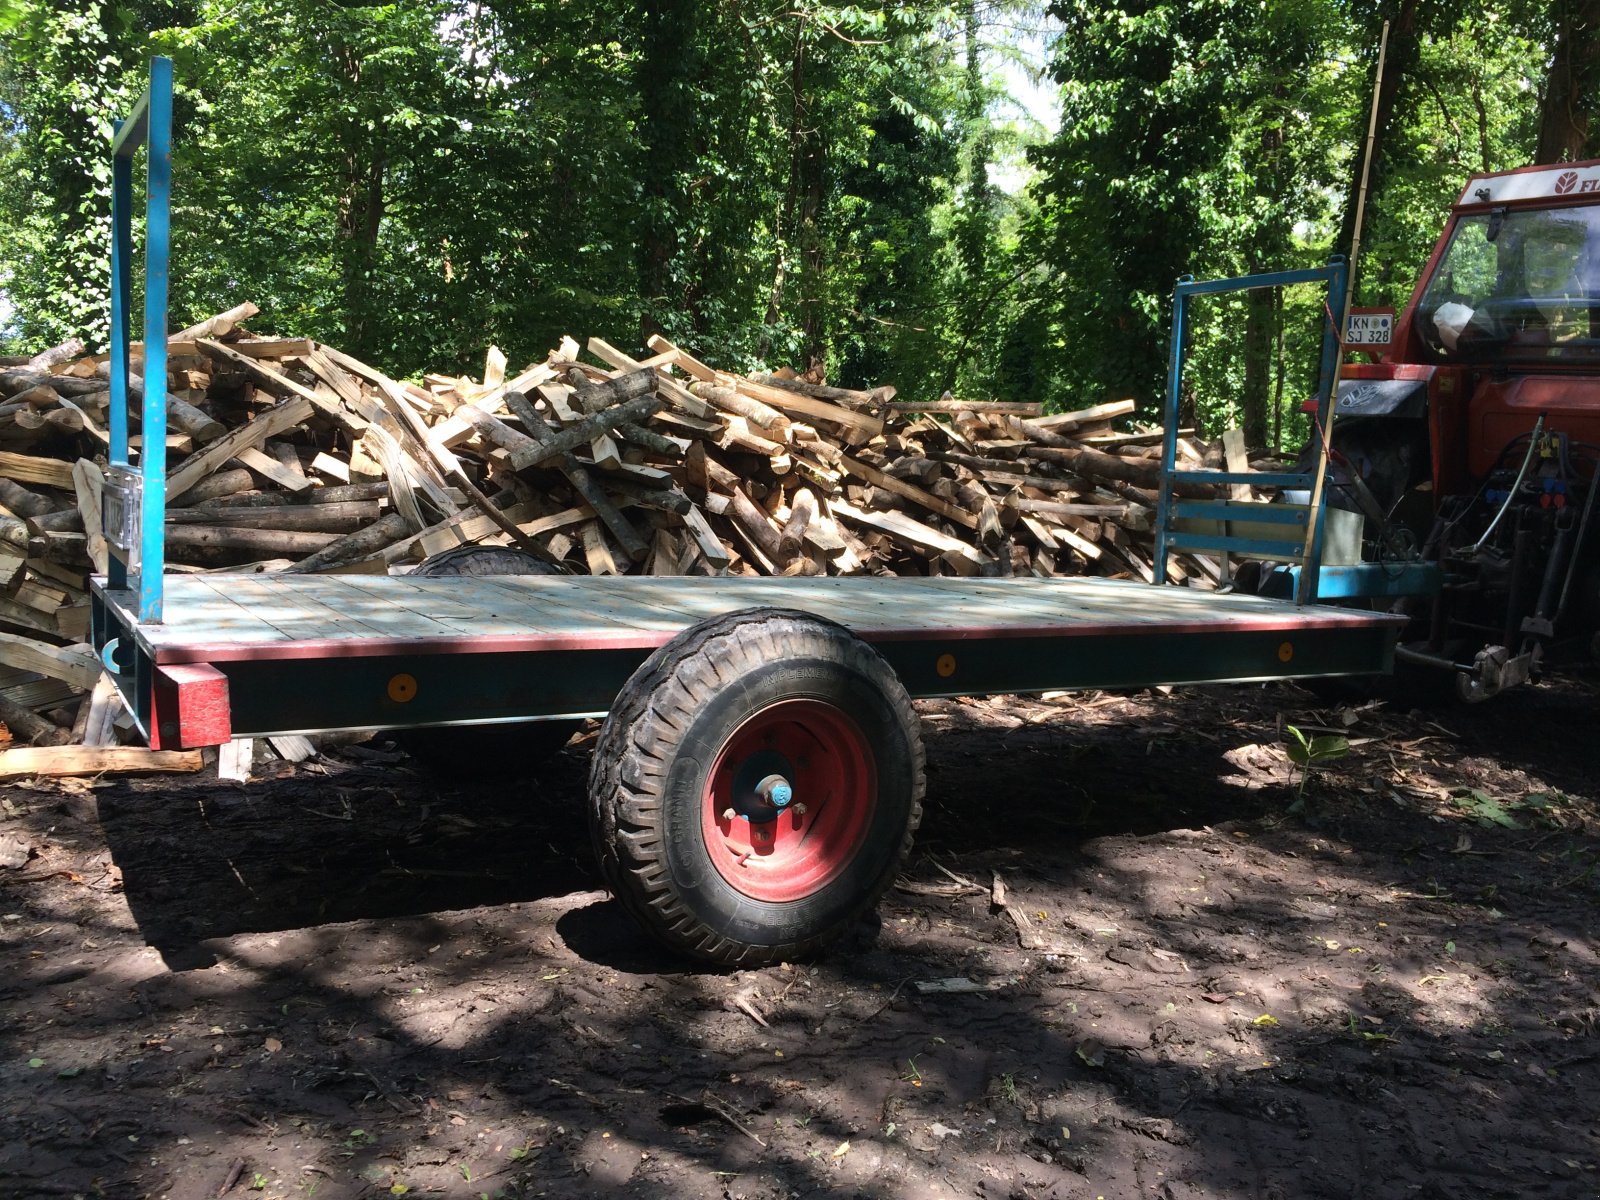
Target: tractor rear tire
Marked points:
485	751
679	826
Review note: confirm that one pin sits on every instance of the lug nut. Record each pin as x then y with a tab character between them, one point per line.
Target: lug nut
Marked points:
798	809
728	814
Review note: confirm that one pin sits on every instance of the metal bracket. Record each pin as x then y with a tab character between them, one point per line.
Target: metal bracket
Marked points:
1493	671
121	506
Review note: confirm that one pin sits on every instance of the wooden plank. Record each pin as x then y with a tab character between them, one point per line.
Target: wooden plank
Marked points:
292	747
272	347
901	526
25	468
70	664
1233	454
100	714
331	468
595	551
1064	422
234	760
89	483
710	544
24	761
20	615
281	382
265	465
248	436
1016	408
670	388
463	531
910	491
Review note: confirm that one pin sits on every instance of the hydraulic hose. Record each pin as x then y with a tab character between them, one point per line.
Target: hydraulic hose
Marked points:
1516	486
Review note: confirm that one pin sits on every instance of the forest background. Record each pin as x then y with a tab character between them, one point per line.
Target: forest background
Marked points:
852	187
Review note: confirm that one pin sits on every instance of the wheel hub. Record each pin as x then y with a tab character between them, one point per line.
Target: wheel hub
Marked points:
789	801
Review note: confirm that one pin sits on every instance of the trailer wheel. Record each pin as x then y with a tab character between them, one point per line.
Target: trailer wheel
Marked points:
484	751
756	786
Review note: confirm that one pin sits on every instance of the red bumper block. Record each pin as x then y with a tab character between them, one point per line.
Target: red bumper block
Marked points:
189	707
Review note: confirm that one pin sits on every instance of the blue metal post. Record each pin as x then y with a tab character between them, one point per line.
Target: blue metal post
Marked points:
137	551
1327	388
157	251
1169	435
121	295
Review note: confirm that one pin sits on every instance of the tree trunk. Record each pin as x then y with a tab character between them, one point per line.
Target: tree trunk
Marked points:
1255	400
1572	89
1402	55
361	205
791	195
666	84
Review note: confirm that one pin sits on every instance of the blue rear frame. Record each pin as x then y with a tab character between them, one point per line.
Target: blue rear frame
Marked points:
1334	275
139	568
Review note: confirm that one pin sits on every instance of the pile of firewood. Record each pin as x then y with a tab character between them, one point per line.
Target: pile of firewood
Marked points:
288	455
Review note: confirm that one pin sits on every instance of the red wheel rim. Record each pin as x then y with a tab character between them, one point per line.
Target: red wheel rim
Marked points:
795	851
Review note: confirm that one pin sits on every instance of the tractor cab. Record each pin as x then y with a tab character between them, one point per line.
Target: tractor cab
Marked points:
1471	441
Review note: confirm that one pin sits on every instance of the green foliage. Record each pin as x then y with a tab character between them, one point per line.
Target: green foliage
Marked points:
845	185
1306	752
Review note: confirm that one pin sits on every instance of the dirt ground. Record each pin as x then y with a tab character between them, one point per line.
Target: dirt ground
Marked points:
350	980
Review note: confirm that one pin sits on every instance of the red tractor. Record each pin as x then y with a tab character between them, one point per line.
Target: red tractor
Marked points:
1470	442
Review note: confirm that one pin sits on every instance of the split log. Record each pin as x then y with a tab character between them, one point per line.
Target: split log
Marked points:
619	389
633	545
44	360
22	468
364	543
872	402
902	527
861	426
271	543
757	525
553	445
1018	408
69	664
709	543
330	408
248	436
674	391
202	427
27	725
1068	421
217	326
23	503
889	483
311	518
223	483
89	485
1094	464
731	401
57	761
802	511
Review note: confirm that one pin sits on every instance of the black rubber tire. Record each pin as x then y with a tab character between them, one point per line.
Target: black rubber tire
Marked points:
485	751
661	740
482	560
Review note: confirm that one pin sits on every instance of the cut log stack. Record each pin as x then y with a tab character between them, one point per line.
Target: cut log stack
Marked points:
288	455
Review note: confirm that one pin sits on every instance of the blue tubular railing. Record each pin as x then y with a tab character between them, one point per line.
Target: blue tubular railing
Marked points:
135	501
1304	546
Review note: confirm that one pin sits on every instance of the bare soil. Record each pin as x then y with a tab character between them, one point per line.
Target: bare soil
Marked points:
1118	965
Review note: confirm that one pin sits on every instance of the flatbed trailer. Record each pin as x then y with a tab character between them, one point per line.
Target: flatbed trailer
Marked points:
252	655
759	774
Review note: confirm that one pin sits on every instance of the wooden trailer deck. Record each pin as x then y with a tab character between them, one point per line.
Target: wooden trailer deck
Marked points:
303	653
